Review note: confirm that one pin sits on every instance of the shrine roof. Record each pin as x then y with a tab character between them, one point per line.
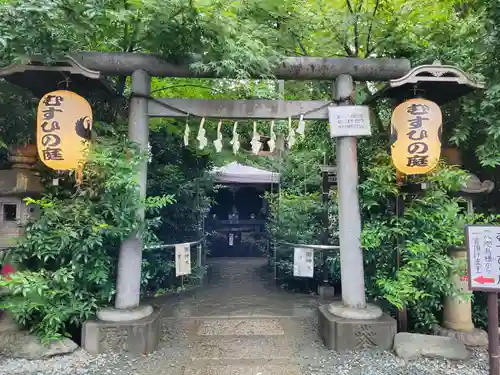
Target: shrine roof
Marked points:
236	173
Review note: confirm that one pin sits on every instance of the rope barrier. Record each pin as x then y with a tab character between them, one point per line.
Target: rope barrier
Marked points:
172	246
318	247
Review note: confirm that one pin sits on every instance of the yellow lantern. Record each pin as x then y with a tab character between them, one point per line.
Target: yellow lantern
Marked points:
64	125
416	136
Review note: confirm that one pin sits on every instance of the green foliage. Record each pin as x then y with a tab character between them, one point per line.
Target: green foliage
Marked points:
17	116
220	36
422	236
68	255
298	218
294	211
175	169
179	171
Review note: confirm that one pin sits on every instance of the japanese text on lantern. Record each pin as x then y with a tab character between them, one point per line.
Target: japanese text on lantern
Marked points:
51	140
418	135
64	125
483	243
415	133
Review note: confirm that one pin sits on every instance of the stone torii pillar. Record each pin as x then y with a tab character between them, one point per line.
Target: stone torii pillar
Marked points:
352	324
128	284
134	328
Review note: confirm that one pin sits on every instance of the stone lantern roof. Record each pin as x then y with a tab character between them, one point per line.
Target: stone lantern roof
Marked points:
474	186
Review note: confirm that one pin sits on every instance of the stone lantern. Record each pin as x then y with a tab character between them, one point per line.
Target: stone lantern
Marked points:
16	184
457	311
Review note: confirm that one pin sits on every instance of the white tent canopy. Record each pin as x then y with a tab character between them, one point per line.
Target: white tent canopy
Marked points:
235	173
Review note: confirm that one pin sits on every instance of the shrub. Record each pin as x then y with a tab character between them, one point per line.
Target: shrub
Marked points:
67	258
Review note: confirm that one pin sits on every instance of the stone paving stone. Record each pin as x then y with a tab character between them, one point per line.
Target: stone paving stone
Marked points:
240	327
244	370
246	347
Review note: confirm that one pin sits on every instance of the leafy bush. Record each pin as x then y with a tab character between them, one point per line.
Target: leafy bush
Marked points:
422	237
67	257
178	170
432	223
175	169
299	219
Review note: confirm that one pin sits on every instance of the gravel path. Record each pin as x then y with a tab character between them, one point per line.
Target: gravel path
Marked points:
242	328
360	363
308	354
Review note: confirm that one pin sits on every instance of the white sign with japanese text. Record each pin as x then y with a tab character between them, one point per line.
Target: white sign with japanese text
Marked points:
349	121
483	255
182	259
303	262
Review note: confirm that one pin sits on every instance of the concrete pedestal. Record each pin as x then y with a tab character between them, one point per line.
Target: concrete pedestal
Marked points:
475	337
341	334
457	311
326	292
134	336
7	323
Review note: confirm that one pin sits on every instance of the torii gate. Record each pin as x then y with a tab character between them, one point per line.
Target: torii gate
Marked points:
140	323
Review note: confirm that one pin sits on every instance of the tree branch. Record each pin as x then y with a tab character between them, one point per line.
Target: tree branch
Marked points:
370	27
349	6
126	30
301	45
343	43
356	32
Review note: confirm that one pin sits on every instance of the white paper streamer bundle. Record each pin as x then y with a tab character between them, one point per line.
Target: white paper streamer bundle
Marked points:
186	133
218	142
256	143
201	135
291	134
302	126
236	138
272	140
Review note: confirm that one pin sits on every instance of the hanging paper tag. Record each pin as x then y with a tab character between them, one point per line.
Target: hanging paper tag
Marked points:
182	259
303	262
302	126
201	135
256	143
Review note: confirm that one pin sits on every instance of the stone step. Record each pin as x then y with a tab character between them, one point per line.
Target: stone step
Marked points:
239	327
241	347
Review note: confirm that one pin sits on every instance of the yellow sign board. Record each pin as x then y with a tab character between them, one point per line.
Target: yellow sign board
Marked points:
64	125
416	136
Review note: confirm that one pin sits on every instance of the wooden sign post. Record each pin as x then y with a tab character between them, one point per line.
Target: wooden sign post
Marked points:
483	261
